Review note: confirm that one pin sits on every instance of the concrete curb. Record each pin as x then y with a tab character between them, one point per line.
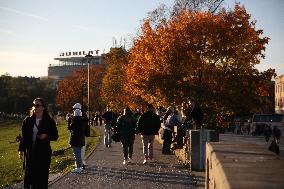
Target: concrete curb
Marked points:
57	176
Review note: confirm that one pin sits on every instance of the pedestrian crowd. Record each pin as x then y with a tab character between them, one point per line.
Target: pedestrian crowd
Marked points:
39	128
123	128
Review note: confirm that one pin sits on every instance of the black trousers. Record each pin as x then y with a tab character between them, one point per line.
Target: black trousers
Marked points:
167	136
127	145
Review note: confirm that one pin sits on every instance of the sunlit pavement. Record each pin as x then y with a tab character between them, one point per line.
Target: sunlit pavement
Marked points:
105	170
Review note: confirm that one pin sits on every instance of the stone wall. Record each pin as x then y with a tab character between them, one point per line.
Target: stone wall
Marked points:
242	165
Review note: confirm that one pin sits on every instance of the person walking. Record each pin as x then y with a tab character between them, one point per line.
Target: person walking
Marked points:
96	119
109	120
100	118
126	125
148	126
77	127
38	130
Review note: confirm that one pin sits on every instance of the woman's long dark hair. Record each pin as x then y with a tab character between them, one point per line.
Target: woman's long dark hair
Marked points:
45	114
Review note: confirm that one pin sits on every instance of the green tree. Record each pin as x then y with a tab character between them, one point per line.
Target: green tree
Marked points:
17	93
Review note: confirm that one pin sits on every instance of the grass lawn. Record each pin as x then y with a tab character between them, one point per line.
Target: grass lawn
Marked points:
11	166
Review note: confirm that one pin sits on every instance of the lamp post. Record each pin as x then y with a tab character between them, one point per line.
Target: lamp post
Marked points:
88	56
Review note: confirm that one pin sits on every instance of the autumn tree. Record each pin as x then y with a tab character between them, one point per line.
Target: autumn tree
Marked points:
113	92
209	57
74	89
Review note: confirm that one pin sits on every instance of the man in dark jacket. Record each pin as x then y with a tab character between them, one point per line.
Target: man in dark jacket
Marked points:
148	126
193	111
126	124
109	122
77	126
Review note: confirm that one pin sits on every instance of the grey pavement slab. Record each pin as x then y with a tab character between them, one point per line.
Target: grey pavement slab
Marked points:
105	170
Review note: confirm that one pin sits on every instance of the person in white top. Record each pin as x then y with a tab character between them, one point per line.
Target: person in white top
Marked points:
38	130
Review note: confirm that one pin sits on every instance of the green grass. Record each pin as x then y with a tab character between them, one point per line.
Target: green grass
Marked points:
11	166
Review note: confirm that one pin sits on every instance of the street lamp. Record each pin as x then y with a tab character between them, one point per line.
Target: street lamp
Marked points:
88	57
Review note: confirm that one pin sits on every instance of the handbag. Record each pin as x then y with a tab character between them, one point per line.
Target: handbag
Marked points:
115	137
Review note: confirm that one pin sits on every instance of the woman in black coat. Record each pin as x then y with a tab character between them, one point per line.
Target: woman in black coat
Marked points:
38	130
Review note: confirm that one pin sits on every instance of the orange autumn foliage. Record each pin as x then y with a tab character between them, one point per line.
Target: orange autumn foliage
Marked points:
74	88
209	57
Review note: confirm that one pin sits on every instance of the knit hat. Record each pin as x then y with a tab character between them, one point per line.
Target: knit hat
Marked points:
77	106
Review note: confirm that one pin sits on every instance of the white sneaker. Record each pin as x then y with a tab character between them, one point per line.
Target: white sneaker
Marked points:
124	162
77	170
129	160
145	161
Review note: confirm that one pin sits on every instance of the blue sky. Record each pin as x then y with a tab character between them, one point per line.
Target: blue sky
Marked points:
33	32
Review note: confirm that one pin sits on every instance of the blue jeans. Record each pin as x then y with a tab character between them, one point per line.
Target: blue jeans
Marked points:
78	156
107	134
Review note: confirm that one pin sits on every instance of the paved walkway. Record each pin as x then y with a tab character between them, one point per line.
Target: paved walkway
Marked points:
105	170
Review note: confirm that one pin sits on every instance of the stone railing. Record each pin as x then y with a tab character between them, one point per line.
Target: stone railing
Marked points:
231	163
237	164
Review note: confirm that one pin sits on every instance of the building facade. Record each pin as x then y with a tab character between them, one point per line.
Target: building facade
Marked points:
279	94
70	61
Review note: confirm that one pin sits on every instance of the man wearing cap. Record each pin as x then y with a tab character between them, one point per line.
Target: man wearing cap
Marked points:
87	132
148	126
77	125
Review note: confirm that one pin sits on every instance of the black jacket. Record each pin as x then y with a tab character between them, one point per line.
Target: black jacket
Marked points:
126	125
148	124
38	155
77	127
